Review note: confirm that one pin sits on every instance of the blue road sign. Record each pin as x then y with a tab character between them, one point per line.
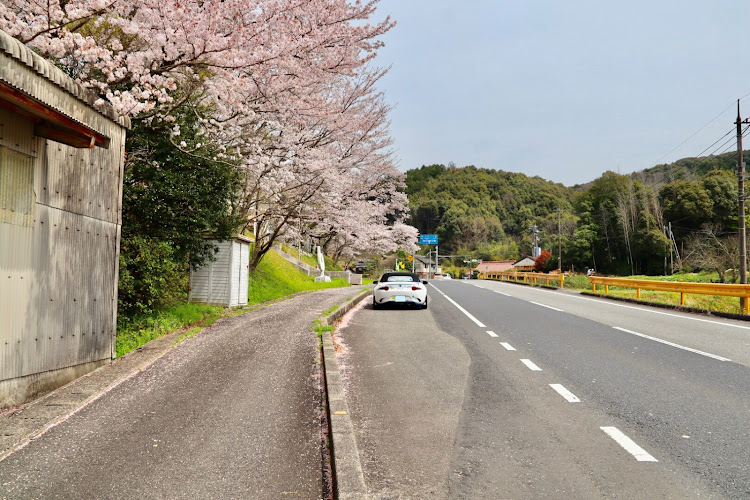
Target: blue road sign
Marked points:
428	239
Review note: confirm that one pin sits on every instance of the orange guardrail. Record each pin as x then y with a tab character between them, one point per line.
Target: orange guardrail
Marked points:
523	277
723	289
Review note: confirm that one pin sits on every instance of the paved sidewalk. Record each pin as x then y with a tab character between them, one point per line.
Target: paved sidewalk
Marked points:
233	412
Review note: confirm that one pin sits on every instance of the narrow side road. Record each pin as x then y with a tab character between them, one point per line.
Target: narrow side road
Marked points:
231	413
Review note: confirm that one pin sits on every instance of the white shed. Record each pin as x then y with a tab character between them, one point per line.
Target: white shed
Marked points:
223	282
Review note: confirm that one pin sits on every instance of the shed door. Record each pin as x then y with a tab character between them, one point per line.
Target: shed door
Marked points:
244	273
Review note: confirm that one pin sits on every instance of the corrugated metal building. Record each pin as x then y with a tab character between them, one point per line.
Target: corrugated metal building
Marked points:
223	282
61	170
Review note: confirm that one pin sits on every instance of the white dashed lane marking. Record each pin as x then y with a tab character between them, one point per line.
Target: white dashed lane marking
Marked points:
562	391
507	346
530	364
639	453
548	307
491	333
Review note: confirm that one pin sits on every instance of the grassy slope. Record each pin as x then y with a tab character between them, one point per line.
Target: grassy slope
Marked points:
274	278
310	260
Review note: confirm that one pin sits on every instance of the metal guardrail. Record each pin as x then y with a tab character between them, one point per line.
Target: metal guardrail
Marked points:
723	289
524	277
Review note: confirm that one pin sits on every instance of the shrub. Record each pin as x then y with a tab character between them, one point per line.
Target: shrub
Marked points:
150	277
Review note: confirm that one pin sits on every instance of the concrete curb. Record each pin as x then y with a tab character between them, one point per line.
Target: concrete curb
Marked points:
349	479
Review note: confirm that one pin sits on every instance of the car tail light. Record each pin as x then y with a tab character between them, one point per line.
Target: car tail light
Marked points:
385	288
415	288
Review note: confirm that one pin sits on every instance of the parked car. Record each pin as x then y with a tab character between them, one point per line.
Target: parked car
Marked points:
399	288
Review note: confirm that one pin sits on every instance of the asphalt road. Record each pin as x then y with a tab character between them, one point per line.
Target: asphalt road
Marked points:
563	396
233	412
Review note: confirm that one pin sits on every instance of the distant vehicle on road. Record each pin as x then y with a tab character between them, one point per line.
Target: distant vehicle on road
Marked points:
399	288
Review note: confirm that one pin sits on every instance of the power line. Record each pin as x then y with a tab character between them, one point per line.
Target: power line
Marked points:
744	134
699	130
717	140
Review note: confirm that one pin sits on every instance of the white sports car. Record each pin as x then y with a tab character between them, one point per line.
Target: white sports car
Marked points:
399	288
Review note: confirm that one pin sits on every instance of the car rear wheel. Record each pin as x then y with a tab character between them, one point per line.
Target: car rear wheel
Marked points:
375	305
424	306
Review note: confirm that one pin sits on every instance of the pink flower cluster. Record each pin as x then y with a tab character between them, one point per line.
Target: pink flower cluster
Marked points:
284	88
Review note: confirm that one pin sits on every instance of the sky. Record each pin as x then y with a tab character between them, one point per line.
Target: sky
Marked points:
564	90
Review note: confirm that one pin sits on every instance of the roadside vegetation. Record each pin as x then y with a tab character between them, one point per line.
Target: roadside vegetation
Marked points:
273	279
703	302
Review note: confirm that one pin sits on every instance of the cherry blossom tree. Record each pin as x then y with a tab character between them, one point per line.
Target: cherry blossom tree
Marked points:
283	88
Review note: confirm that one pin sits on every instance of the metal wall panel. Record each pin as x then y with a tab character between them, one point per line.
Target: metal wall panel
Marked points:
16	278
17	133
16	188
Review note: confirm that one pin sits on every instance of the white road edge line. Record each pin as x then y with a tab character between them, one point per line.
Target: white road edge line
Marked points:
491	333
696	351
548	307
639	453
562	391
467	313
530	364
503	293
652	311
507	346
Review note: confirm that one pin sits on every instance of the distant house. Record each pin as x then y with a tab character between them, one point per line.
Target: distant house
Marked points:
491	268
422	265
525	264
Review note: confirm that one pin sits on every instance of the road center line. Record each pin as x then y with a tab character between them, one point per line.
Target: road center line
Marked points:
562	391
548	307
503	293
639	453
507	346
530	364
467	313
696	351
491	333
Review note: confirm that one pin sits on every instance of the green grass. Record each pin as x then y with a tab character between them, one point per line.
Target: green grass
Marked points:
330	310
275	277
704	302
310	260
134	332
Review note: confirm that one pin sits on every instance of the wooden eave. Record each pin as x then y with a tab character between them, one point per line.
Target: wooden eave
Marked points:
50	123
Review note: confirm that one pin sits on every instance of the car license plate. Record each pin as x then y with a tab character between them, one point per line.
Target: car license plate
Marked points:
399	298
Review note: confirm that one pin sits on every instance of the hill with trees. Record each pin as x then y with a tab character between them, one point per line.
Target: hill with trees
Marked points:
616	224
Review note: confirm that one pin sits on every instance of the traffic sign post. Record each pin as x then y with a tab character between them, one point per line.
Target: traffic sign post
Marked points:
430	239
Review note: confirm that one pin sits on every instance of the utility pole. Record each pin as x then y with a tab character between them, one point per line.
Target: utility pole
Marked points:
559	238
436	258
741	199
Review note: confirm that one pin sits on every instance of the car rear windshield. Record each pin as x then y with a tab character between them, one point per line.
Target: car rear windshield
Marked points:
399	278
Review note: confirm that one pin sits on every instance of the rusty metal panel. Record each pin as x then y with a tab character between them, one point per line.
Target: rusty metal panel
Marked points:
17	133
